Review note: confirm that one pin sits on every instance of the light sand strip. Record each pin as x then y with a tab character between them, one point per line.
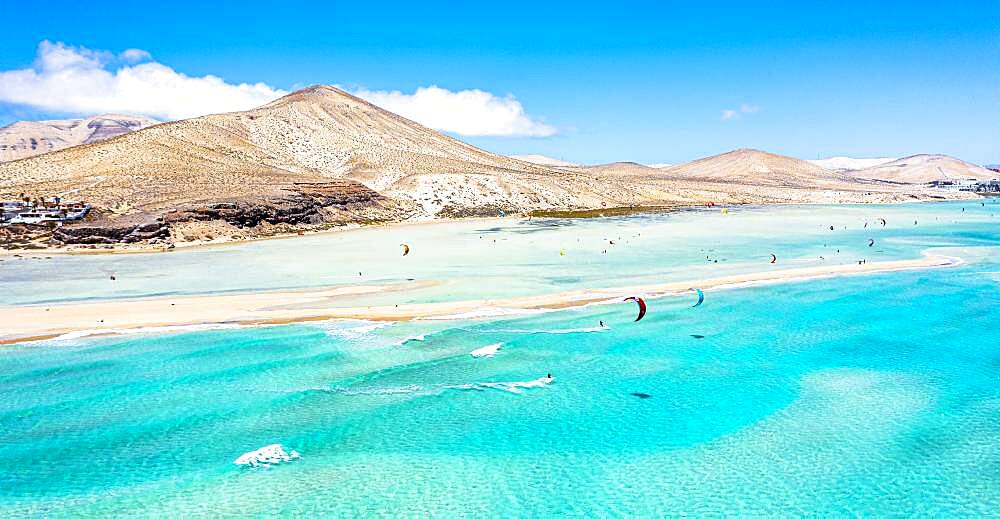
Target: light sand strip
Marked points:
25	323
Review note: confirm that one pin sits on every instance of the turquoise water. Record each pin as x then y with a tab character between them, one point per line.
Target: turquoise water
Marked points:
512	257
874	395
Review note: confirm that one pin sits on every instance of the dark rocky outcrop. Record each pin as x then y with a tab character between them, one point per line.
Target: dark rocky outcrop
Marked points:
109	232
479	211
298	204
334	202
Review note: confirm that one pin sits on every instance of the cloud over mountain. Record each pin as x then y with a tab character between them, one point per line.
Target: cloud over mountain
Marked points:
78	80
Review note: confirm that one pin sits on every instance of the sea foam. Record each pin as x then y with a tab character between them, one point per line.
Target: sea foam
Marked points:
266	456
590	329
510	387
486	351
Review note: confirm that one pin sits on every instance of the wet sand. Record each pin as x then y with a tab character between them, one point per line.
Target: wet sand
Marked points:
39	322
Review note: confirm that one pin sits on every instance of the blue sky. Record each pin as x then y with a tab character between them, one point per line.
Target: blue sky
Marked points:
649	82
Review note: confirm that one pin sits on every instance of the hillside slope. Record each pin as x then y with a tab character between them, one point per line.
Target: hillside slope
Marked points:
313	135
754	167
849	163
920	169
320	156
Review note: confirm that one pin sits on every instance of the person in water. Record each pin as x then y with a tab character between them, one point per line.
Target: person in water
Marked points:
549	376
602	323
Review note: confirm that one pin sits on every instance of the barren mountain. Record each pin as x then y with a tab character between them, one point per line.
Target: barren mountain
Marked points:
746	166
290	161
849	163
920	169
321	157
29	138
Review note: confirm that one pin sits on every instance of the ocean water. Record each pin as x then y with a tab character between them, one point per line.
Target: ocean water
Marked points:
866	395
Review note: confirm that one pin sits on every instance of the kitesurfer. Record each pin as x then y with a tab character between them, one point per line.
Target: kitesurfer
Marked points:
642	306
701	297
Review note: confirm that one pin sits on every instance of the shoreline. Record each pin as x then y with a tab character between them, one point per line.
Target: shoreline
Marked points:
582	214
34	322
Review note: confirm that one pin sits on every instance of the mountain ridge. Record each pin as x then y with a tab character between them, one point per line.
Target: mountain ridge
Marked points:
320	156
24	139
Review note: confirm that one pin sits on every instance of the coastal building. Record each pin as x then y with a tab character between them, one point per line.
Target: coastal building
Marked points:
44	211
988	186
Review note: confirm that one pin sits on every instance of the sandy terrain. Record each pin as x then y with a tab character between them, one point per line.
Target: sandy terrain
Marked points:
24	323
320	157
322	133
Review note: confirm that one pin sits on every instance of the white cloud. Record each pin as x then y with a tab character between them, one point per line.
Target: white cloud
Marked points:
134	55
80	80
730	114
465	112
84	81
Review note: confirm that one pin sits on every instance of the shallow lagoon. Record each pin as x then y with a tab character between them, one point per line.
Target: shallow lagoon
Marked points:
869	395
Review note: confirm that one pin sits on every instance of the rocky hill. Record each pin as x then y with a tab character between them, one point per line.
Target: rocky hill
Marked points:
320	157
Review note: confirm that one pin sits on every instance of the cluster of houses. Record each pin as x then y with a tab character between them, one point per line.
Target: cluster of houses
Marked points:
42	211
972	185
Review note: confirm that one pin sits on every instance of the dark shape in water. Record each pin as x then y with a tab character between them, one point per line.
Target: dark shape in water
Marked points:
642	395
696	336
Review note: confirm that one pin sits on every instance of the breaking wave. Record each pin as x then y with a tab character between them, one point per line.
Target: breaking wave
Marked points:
486	351
516	387
266	456
556	332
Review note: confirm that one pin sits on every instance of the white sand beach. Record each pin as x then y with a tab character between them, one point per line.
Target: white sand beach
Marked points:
38	322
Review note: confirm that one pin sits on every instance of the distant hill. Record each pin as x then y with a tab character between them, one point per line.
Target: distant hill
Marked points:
542	159
29	138
849	163
755	167
622	168
920	169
